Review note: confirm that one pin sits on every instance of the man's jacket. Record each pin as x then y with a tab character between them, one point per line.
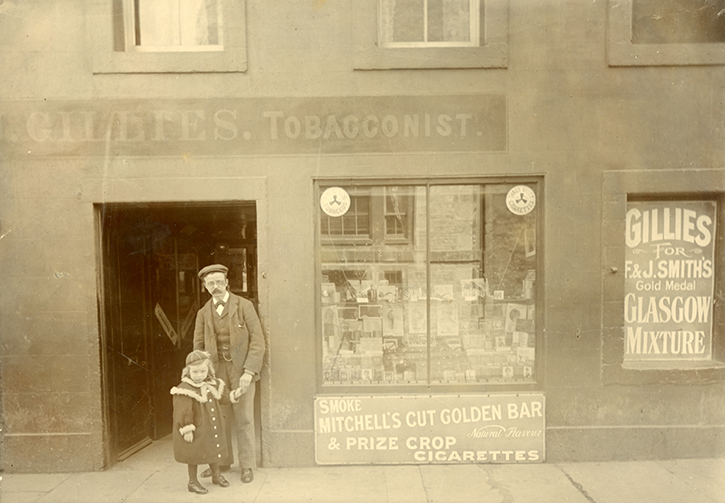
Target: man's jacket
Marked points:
246	339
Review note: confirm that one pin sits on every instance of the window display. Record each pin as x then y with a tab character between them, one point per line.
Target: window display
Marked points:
436	285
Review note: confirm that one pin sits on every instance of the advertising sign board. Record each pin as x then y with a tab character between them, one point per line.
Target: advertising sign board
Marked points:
430	429
669	280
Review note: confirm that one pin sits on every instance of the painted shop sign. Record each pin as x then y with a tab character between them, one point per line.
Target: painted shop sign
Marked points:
669	280
430	429
255	126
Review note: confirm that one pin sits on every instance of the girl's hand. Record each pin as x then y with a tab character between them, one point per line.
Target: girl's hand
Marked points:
189	436
237	393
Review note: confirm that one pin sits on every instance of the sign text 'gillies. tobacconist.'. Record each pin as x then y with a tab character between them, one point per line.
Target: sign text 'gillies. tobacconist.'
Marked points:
255	126
430	429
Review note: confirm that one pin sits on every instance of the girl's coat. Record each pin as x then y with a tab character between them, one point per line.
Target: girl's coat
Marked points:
196	408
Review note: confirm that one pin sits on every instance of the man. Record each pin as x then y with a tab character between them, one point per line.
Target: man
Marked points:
227	327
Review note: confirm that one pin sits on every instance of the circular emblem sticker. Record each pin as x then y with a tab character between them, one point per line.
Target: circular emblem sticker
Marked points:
521	200
335	201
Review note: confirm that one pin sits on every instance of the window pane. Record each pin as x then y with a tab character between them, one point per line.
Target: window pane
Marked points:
678	21
356	222
168	23
449	20
403	20
397	216
482	276
373	305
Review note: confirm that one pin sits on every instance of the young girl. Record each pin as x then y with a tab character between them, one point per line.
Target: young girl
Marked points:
198	432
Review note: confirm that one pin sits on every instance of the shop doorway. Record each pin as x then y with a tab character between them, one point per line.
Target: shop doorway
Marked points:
150	295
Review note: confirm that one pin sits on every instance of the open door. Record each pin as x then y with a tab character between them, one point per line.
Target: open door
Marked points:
151	293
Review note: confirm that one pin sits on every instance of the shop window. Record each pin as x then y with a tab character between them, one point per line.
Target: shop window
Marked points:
442	291
168	36
666	32
431	34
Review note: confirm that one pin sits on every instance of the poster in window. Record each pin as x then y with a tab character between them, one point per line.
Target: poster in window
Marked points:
669	280
514	312
447	318
417	318
392	319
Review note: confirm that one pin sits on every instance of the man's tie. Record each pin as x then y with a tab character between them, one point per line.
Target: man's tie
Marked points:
219	306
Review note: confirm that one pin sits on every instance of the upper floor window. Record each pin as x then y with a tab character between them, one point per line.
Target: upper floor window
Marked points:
391	34
666	32
429	23
678	21
168	36
173	25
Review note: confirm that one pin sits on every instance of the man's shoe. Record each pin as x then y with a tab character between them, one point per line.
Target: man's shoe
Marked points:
195	487
219	480
247	475
207	473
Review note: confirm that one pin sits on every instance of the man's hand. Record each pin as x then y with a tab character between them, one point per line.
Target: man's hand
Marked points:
244	382
189	436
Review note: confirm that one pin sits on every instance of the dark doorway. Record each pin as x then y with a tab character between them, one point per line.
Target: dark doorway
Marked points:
151	254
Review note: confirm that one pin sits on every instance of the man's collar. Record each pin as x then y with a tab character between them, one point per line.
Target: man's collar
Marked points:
225	299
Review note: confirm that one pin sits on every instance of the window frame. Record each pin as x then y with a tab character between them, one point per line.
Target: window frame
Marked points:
619	187
491	52
622	52
537	183
108	24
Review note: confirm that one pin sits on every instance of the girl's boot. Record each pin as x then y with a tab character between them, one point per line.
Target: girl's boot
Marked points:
194	486
216	475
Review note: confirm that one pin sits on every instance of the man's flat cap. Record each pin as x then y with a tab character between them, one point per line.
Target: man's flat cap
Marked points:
213	268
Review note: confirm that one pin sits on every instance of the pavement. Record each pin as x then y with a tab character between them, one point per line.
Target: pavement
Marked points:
152	476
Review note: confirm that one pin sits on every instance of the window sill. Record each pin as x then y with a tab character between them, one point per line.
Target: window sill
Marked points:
674	365
375	58
228	61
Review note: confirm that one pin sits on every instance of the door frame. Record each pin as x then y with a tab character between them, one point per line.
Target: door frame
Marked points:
228	190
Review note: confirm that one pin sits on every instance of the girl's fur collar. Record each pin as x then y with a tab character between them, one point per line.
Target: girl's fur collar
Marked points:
199	392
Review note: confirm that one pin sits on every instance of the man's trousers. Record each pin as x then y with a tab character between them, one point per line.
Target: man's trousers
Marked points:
240	417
